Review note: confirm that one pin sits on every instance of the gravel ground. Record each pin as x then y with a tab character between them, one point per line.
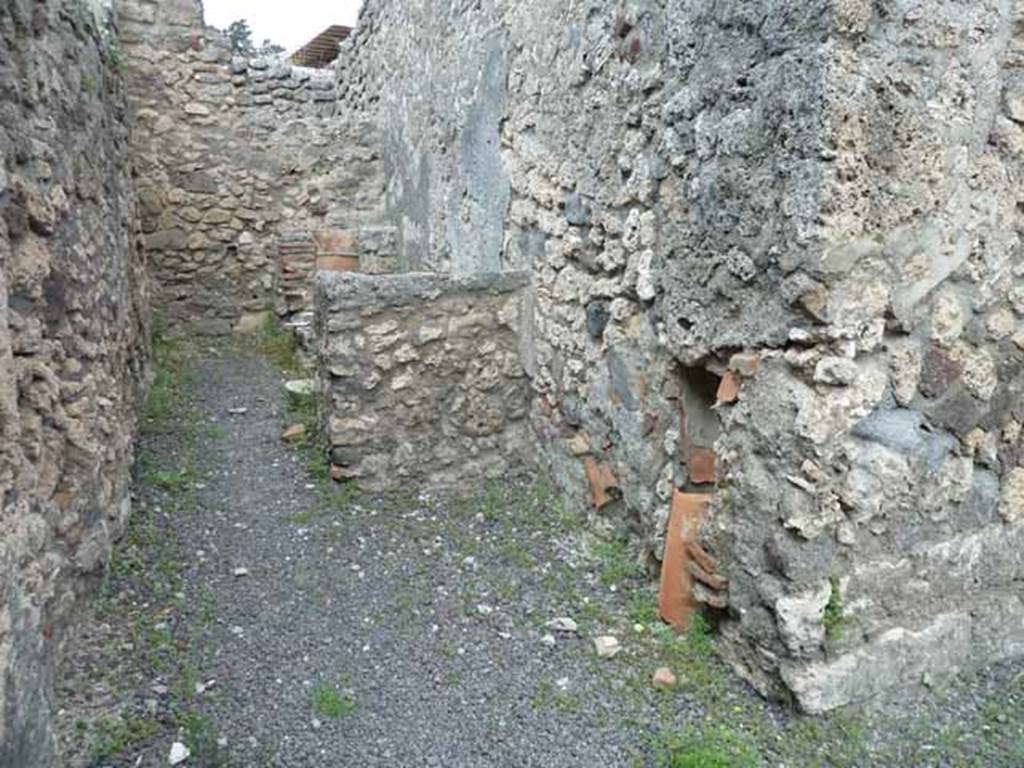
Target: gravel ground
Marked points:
265	618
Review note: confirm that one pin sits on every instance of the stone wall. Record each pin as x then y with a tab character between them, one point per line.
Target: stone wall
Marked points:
72	340
876	461
233	155
776	259
421	376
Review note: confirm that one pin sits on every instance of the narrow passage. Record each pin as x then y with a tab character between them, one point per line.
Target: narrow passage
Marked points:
258	615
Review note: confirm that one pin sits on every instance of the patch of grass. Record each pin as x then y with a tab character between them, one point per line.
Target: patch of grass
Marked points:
330	702
278	344
642	608
492	504
719	747
516	553
114	735
207	608
448	650
167	392
345	495
216	433
550	698
596	613
618	563
836	740
303	409
335	498
167	480
200	737
835	621
317	465
186	679
692	657
509	591
145	582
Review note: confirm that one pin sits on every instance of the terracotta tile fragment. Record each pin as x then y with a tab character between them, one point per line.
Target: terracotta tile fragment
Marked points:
340	474
294	433
676	600
729	388
602	480
702	466
712	580
700	557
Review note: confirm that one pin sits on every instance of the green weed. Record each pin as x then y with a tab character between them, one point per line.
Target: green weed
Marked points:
617	561
332	703
115	735
835	621
278	344
168	480
718	747
550	698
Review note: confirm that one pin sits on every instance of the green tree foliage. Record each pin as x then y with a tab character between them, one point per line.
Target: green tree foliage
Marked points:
240	35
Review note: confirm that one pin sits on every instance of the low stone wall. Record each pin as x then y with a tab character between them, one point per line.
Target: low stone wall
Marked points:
73	350
421	377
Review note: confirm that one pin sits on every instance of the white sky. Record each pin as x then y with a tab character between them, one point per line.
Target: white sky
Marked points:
292	23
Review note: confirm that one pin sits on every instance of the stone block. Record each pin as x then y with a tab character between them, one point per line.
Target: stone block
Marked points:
252	322
1011	505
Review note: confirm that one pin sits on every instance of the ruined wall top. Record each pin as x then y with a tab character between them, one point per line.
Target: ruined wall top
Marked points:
176	24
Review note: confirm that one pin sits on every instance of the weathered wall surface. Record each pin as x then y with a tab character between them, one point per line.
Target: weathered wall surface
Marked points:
788	232
72	349
422	377
233	156
639	171
878	457
447	189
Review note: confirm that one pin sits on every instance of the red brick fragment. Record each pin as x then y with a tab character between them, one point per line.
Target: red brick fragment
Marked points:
337	242
337	263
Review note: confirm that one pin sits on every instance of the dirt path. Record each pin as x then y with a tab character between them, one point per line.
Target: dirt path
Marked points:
263	617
